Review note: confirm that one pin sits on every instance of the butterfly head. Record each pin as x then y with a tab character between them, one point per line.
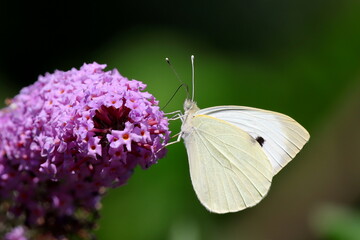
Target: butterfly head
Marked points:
190	106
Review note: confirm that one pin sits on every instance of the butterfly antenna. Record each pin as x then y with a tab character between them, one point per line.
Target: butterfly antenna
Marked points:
178	78
182	85
192	77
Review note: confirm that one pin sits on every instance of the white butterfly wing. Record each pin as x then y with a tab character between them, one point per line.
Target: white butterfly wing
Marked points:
283	136
228	168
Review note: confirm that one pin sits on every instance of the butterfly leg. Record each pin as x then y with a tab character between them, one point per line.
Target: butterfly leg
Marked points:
176	117
168	144
179	135
171	113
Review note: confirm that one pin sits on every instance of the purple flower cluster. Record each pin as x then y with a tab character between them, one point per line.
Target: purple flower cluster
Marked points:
69	136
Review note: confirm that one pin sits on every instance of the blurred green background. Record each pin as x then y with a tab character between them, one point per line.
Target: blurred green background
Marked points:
299	57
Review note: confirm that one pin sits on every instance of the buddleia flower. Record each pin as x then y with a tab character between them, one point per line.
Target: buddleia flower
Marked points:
69	136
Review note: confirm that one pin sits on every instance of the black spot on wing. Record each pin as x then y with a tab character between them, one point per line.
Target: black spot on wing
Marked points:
260	140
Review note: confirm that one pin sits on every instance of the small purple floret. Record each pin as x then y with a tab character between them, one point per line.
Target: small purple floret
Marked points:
17	233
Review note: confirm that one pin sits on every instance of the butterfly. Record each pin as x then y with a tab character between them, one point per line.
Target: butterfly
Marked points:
235	151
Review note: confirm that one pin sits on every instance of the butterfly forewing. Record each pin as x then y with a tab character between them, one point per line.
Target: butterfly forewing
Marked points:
281	137
229	169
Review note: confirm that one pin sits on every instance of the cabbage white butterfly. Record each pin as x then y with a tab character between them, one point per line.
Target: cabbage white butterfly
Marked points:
235	151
